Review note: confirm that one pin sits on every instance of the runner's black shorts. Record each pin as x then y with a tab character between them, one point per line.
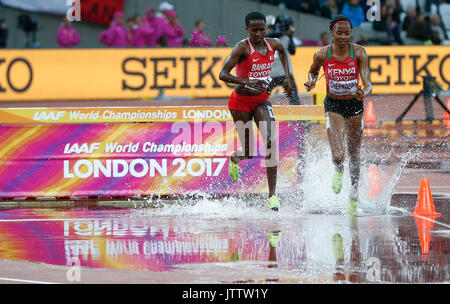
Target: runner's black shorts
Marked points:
347	108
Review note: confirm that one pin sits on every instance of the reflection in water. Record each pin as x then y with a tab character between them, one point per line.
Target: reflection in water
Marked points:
273	238
301	247
351	275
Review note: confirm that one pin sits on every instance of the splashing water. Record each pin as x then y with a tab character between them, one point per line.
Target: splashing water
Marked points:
314	194
378	179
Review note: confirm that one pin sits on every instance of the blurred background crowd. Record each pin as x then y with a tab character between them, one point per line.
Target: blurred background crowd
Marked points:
427	21
417	19
158	28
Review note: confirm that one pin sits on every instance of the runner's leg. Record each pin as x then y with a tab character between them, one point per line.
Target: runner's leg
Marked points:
265	120
243	122
354	134
335	124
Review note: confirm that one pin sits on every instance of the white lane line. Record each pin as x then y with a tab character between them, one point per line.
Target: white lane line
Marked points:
441	231
52	220
27	281
417	187
422	217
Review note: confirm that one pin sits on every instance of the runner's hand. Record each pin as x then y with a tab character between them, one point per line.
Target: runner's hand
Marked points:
257	85
359	93
309	85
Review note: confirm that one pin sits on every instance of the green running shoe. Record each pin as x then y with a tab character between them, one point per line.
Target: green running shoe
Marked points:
337	181
233	170
352	206
338	247
273	238
234	257
273	203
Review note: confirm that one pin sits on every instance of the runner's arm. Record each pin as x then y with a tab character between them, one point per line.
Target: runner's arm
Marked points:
363	64
277	46
313	74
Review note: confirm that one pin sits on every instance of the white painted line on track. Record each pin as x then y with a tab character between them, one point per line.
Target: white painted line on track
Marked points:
422	217
416	187
441	231
26	281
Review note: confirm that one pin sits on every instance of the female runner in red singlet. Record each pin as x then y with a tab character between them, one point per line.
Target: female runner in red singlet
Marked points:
253	58
343	62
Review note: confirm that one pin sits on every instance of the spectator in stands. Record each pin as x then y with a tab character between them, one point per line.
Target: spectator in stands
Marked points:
67	36
291	4
393	25
159	26
410	18
175	30
428	3
3	33
117	34
361	40
270	24
221	41
305	6
284	32
309	6
420	29
139	34
353	10
164	7
390	24
330	9
381	25
130	24
438	34
310	42
324	38
198	35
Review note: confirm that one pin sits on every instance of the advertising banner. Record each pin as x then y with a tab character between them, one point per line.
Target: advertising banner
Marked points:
145	114
130	159
100	11
85	74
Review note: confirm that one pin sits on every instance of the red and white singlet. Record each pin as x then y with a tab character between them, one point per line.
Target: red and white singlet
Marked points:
256	66
341	76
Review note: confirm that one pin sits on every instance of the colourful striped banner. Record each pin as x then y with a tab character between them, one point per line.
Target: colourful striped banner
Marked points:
136	159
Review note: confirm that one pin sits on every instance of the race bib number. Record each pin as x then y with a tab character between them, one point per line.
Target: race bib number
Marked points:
343	87
271	113
266	80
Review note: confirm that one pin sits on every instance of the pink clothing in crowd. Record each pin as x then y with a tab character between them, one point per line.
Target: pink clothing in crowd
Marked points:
310	42
199	39
115	36
160	27
158	24
67	36
221	41
175	31
140	35
175	35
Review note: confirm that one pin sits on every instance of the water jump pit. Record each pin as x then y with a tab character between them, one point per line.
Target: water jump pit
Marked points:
147	199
